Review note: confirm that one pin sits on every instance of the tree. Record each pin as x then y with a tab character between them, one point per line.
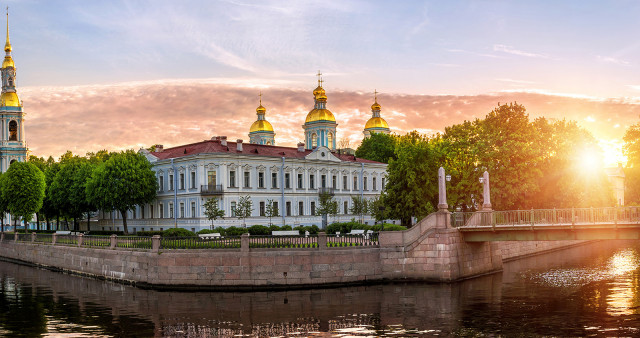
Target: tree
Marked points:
244	208
212	211
377	209
121	183
379	147
4	202
24	187
49	207
327	205
358	207
632	170
270	210
69	189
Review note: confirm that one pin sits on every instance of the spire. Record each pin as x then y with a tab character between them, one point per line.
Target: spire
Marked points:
7	45
375	107
260	110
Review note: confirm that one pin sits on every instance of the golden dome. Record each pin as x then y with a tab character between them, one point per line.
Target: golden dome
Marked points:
261	109
375	106
320	115
376	122
10	99
261	125
8	62
319	90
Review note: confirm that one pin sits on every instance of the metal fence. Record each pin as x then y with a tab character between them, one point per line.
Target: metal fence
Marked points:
369	239
66	240
133	242
290	242
532	217
227	242
43	238
96	241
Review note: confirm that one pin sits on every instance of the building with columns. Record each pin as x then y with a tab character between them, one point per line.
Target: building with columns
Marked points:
13	146
292	178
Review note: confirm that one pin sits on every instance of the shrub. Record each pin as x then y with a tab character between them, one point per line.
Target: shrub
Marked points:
345	227
178	232
393	227
273	227
235	231
206	231
106	233
286	228
220	230
259	230
148	233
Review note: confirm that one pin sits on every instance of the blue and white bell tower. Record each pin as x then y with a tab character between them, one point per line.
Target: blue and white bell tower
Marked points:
320	124
13	146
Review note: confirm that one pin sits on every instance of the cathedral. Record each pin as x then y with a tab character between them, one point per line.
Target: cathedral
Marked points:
14	146
291	179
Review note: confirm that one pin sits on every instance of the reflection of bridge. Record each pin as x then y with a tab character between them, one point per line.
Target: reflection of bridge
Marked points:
548	224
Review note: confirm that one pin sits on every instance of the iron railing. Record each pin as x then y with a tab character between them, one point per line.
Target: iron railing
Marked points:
337	241
227	242
66	240
133	242
96	241
289	242
215	189
43	238
326	190
573	216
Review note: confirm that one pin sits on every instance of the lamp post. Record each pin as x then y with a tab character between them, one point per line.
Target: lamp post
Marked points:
486	195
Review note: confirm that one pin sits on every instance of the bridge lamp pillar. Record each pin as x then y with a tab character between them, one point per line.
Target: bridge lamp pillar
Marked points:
486	193
442	190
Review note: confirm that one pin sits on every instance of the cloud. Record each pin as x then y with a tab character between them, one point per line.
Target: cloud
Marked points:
134	115
511	50
607	59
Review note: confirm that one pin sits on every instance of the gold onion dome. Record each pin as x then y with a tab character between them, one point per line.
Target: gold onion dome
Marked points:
319	90
320	115
376	122
261	109
375	106
261	125
10	99
8	62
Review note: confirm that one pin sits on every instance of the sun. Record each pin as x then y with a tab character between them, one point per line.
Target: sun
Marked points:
589	160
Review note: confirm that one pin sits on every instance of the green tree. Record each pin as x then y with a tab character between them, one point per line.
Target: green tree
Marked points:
271	210
377	209
379	147
244	208
327	205
212	211
121	183
49	207
631	150
4	202
359	207
24	189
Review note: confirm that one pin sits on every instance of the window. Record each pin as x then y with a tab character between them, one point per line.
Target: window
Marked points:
142	212
262	209
211	178
171	182
374	184
193	180
181	181
355	182
160	210
344	183
346	207
330	140
275	207
274	180
260	180
382	185
133	213
323	181
181	210
312	181
287	180
193	209
161	183
314	140
288	208
170	210
232	179
247	179
151	215
13	131
334	181
233	209
313	208
299	181
364	183
301	208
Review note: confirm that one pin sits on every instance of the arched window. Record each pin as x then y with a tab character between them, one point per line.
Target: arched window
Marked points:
314	140
13	131
10	163
330	140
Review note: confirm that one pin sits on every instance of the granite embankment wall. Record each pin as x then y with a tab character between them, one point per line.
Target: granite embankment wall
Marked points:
430	251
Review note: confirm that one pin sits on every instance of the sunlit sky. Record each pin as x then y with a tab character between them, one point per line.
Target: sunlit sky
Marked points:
129	74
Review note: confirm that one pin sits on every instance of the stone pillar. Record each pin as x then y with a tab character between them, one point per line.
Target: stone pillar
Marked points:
33	237
155	243
79	237
244	243
2	237
322	241
54	238
114	241
442	190
486	194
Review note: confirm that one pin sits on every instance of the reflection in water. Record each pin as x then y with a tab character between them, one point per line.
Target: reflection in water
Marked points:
589	290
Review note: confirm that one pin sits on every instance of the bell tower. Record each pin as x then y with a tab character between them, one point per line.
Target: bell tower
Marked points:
12	141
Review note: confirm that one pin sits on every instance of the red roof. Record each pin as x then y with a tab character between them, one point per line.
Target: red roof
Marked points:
216	147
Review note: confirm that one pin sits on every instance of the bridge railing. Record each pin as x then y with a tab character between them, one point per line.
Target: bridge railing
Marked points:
610	215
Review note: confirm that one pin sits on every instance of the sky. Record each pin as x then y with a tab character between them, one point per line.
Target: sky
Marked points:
128	74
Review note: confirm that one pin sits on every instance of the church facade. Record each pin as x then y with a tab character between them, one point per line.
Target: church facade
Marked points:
290	179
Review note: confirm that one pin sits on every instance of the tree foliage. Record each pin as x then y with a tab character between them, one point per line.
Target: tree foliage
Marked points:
212	211
121	183
24	186
632	170
244	208
270	210
379	147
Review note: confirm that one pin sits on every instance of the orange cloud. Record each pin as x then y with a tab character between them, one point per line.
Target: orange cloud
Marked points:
114	117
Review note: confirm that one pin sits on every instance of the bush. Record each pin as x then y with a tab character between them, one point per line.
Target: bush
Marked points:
206	231
313	230
345	227
148	233
286	228
235	231
273	227
393	227
105	233
178	232
220	230
259	230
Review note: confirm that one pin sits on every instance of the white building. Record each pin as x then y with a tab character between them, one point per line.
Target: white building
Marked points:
292	178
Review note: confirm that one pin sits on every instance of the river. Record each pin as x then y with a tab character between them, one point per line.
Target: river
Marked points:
588	290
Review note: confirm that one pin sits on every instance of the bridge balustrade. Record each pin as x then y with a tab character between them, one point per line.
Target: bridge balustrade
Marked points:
546	217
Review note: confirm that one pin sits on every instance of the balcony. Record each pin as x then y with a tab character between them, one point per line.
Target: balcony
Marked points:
330	191
215	189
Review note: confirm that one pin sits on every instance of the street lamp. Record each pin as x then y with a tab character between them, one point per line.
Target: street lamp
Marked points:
481	179
448	178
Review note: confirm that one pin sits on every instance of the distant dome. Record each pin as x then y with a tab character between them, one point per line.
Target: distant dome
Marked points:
376	122
320	115
10	99
261	125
